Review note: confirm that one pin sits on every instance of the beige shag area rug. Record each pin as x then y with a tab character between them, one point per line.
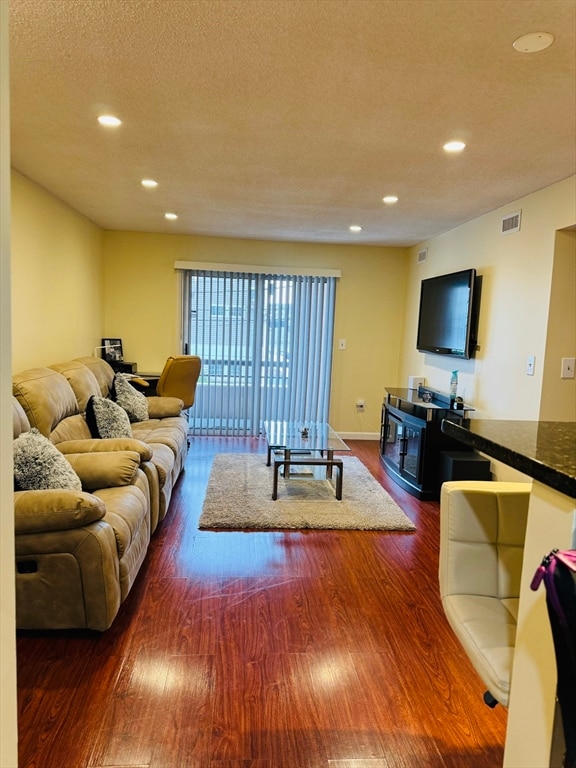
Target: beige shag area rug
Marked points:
239	496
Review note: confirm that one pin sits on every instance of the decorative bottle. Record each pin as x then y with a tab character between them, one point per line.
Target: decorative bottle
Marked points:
453	388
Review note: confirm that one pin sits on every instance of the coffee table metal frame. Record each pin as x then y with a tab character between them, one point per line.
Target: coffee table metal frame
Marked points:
291	447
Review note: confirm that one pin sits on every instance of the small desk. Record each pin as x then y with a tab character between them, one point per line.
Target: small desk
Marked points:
546	451
296	448
151	380
123	366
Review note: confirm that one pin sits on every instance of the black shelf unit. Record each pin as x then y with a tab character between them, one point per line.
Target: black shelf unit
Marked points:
122	366
411	438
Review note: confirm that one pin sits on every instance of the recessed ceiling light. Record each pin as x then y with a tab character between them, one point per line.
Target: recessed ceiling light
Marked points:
109	120
533	42
355	228
150	183
390	199
454	146
171	216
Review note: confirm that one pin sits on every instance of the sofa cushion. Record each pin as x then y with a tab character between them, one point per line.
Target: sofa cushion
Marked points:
101	445
82	380
46	511
38	464
71	428
163	407
103	372
46	397
106	418
126	512
20	421
133	402
106	469
172	432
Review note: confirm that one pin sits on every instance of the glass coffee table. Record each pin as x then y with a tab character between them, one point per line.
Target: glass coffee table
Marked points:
292	443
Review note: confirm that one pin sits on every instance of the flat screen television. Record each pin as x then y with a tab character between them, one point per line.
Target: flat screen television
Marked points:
448	314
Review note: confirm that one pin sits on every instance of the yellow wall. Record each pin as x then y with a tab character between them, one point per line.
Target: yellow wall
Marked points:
141	306
558	402
8	699
517	278
73	283
57	279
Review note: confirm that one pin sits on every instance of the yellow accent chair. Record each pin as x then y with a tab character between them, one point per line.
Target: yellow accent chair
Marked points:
179	378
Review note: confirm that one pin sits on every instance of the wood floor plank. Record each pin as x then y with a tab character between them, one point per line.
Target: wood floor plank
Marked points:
61	713
298	649
185	727
128	730
379	762
267	712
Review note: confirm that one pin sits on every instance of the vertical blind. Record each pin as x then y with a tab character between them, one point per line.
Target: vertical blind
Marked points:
266	346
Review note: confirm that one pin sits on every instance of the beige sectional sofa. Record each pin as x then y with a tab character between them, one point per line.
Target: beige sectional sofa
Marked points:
165	431
78	552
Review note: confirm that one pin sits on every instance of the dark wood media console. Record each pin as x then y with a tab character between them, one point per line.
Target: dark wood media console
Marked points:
412	441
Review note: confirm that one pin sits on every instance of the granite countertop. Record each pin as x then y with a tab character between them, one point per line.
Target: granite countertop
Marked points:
544	450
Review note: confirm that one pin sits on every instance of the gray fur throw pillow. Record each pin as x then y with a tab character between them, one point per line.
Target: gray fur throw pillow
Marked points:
133	402
39	465
106	418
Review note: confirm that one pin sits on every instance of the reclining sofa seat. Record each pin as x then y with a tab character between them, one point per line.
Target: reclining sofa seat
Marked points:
165	431
50	406
78	552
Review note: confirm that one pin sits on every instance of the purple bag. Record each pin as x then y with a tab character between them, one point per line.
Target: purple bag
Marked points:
558	571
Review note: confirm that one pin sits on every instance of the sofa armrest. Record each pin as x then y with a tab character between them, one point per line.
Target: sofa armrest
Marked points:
101	445
104	469
163	407
55	510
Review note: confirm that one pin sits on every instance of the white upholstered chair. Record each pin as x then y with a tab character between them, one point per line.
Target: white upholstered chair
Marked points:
482	531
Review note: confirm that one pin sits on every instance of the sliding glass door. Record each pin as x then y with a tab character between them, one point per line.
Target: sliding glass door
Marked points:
266	346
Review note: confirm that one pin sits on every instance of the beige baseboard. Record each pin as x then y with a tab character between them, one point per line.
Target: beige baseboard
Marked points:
359	435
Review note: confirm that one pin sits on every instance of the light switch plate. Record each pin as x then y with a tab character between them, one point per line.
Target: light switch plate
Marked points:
530	365
568	365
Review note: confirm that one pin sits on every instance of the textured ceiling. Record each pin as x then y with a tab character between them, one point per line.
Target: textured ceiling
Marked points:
291	119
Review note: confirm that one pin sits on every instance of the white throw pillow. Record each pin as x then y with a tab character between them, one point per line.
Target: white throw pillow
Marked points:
106	418
39	465
133	402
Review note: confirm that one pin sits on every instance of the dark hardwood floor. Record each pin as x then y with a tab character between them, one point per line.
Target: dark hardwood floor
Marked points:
324	649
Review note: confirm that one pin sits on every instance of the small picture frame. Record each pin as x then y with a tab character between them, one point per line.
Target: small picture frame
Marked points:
112	350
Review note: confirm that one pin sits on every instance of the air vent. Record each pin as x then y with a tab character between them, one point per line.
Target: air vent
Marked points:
511	223
422	255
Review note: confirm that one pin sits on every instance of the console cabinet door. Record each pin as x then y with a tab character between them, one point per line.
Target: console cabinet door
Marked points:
400	446
411	453
392	440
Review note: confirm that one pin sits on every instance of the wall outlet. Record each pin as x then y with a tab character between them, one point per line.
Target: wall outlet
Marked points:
361	405
530	361
416	381
568	365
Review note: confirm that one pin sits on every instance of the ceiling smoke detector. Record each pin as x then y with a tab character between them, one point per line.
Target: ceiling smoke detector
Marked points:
533	42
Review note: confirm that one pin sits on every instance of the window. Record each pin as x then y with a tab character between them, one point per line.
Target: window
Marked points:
266	346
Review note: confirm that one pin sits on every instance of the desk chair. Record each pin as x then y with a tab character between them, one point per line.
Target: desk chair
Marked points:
482	532
179	378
